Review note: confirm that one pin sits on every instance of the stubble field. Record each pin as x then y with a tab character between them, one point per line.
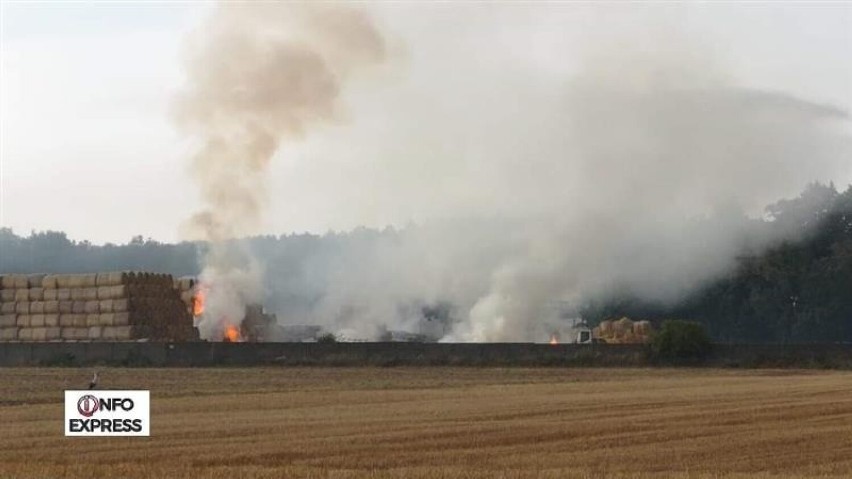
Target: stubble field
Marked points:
441	422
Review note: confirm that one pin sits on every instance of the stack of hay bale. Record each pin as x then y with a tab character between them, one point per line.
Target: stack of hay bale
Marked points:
117	306
623	331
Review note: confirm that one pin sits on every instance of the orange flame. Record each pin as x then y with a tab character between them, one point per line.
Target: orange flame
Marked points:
553	339
198	302
232	334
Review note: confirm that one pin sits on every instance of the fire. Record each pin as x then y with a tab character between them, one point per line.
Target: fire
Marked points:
198	302
232	334
553	339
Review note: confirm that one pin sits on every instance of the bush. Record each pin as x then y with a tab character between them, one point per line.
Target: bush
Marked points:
327	338
680	341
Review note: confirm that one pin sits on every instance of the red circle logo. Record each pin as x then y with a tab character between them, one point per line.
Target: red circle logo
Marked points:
87	405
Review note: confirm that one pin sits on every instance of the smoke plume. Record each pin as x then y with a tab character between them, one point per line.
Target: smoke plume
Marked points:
640	168
258	75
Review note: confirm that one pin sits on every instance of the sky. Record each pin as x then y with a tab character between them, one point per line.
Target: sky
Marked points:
88	144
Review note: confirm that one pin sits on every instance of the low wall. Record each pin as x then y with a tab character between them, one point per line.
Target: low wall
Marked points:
399	354
334	354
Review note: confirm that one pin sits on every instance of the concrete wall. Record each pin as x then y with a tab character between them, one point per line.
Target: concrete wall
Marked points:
392	354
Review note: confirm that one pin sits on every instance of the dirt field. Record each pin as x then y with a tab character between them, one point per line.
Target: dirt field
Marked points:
441	422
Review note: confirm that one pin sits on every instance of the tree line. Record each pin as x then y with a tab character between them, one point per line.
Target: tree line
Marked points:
797	290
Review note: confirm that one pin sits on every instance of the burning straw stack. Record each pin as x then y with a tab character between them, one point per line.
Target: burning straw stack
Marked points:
118	306
186	287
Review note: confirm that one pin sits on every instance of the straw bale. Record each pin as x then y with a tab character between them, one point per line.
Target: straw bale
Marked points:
8	320
22	307
22	295
36	307
95	332
36	320
8	308
92	307
71	320
66	281
50	295
78	307
49	282
63	294
93	320
35	280
8	334
25	334
121	332
605	327
15	281
39	333
85	294
112	292
7	294
51	320
9	281
52	333
76	280
106	319
66	307
112	278
51	306
23	321
106	305
36	294
74	333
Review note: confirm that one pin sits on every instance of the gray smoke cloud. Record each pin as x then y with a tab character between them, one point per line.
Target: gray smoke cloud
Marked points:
258	75
636	170
633	169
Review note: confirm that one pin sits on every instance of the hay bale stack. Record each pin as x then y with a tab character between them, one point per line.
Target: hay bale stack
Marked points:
78	307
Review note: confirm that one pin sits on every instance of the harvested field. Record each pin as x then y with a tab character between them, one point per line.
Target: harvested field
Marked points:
441	422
